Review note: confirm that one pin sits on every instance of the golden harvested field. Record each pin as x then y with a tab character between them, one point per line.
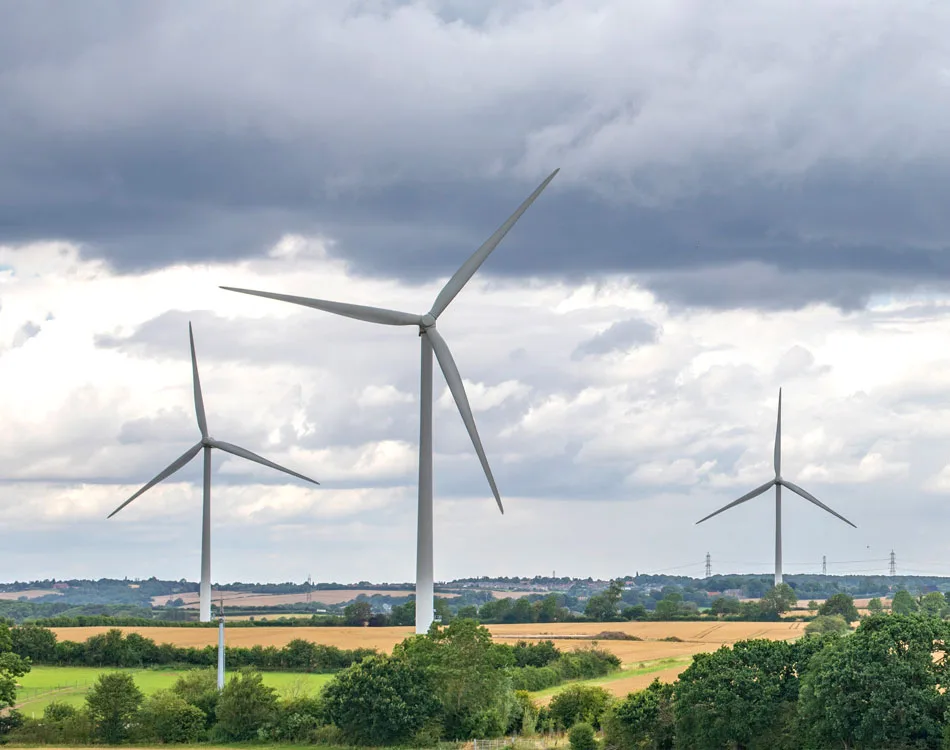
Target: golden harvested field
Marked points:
30	594
695	637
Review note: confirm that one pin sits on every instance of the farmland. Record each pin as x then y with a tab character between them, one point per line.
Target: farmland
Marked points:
687	638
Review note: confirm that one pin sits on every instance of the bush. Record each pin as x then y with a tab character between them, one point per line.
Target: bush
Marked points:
298	720
582	737
245	706
586	663
827	624
199	687
167	717
381	701
533	679
579	703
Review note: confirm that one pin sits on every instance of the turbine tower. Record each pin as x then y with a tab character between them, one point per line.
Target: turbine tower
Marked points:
431	341
205	444
778	482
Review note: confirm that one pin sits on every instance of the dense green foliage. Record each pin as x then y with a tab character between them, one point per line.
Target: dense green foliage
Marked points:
12	665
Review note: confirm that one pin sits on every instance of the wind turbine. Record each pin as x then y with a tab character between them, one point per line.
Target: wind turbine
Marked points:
205	444
431	340
778	483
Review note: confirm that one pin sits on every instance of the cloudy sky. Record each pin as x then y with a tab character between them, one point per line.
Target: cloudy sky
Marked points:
752	195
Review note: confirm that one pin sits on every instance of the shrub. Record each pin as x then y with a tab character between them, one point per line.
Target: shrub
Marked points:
586	663
827	624
582	737
246	704
533	679
167	717
380	701
297	720
199	687
579	703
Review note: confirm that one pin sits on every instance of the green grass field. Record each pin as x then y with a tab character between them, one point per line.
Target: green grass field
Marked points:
44	685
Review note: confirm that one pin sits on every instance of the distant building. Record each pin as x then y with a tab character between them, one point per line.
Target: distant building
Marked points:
60	586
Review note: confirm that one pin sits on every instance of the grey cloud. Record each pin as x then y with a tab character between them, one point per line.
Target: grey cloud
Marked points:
408	131
622	335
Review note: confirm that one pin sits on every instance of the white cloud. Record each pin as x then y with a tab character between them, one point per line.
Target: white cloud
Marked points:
663	434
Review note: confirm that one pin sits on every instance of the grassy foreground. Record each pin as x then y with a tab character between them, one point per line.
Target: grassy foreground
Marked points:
44	685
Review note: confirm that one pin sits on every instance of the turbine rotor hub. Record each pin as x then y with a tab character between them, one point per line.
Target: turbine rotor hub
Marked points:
428	320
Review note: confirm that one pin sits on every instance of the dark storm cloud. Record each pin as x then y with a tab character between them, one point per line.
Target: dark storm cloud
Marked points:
164	133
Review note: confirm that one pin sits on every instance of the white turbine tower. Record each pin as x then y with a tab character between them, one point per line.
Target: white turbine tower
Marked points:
206	444
778	483
431	340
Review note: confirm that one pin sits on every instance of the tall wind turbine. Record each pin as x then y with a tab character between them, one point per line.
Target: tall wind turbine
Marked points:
431	340
778	483
205	444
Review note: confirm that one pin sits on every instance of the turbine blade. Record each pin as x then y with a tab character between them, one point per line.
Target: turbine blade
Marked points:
236	450
359	312
748	496
469	267
174	466
812	499
199	401
454	381
778	437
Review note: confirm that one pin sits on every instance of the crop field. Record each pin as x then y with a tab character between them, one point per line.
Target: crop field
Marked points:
643	660
29	594
44	685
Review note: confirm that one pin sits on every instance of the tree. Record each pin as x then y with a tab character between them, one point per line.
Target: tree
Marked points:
602	607
903	603
11	667
933	604
469	676
743	696
840	604
669	606
812	605
725	605
880	687
643	720
113	703
246	704
778	599
403	614
875	607
579	703
167	717
357	614
383	700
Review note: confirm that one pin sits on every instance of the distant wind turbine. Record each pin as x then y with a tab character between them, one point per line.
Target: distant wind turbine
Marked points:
431	340
778	483
206	443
